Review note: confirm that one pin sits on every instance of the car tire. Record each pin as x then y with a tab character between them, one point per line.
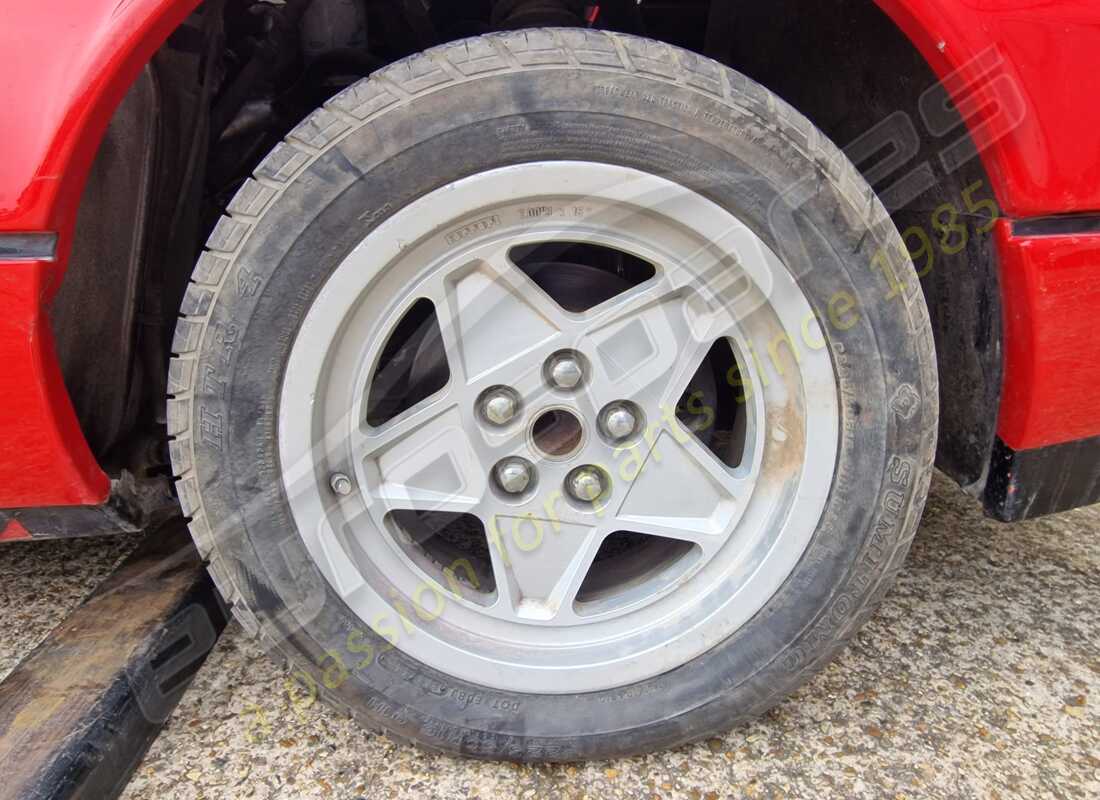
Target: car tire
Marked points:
505	101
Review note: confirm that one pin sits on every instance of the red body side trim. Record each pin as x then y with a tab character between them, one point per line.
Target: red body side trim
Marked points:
14	532
1051	294
46	460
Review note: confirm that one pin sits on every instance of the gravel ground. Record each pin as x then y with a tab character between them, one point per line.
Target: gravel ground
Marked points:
979	677
41	582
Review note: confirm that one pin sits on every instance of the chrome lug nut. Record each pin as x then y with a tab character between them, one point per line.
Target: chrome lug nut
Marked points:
618	421
565	371
585	484
340	484
499	405
513	475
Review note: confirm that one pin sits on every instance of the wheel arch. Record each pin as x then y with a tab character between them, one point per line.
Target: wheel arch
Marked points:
109	46
963	290
874	102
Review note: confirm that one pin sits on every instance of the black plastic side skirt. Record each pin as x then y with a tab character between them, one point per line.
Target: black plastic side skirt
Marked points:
78	714
1023	484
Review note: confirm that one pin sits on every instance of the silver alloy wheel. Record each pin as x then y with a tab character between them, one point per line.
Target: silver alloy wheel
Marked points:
727	536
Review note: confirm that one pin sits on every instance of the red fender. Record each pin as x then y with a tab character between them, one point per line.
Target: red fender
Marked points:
65	65
1039	59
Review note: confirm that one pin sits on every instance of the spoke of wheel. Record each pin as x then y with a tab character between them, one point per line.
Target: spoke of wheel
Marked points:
682	491
539	566
423	460
398	497
492	316
422	420
636	349
735	487
674	528
623	306
446	313
665	393
650	349
524	288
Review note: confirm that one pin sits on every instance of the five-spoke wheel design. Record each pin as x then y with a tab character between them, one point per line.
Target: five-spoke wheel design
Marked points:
564	425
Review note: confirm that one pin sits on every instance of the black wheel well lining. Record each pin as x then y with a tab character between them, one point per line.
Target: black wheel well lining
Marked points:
854	73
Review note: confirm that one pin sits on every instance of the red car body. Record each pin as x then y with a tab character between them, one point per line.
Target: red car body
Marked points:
66	65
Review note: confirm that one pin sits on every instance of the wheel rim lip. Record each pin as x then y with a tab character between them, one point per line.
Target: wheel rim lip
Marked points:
591	662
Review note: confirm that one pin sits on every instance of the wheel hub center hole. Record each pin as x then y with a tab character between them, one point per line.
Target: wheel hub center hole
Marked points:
557	432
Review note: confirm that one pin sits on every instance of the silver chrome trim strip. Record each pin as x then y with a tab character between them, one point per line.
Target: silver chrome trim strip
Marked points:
28	246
